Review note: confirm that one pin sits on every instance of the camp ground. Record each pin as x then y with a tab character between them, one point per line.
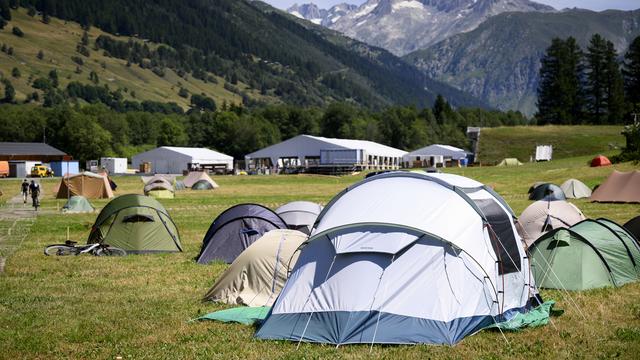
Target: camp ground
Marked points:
157	291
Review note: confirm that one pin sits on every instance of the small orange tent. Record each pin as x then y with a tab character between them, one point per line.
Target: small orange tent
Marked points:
600	160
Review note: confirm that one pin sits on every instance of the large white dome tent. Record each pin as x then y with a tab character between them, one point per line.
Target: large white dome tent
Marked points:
405	258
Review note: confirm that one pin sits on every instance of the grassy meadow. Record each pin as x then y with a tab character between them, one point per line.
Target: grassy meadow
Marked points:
139	306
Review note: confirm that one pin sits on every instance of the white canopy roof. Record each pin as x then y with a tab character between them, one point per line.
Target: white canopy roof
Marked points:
303	146
200	154
441	150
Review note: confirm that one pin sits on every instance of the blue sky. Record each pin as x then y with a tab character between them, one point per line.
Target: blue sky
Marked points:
558	4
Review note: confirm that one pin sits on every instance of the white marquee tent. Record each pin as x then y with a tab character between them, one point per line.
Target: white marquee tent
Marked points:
174	160
309	151
434	154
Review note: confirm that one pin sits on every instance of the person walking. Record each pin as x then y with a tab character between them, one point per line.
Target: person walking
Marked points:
25	190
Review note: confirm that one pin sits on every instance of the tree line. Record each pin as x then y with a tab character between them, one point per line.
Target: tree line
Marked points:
588	87
95	130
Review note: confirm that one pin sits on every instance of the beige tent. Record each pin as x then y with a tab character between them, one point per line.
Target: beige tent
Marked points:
87	184
621	187
196	176
256	277
510	162
159	188
148	179
543	216
575	189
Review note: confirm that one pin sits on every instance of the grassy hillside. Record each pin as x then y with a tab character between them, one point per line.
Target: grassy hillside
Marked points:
568	141
139	306
58	41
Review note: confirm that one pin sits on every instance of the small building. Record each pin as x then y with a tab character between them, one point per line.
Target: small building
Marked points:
22	156
176	160
114	165
62	168
435	155
324	155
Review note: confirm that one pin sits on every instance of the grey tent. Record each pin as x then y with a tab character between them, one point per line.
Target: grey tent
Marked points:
202	185
235	229
256	277
544	216
180	185
77	204
547	192
300	215
575	189
633	227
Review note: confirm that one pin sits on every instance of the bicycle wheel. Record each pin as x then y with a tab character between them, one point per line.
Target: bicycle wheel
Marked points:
60	250
110	251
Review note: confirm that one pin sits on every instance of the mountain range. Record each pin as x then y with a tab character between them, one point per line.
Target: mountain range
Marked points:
260	53
403	26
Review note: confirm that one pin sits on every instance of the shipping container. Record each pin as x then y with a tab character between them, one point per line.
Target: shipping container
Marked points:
114	165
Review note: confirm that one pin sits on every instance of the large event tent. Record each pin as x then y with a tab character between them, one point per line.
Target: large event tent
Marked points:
175	160
137	224
544	216
404	258
256	277
235	229
588	255
305	151
434	154
575	189
547	192
300	215
623	187
87	184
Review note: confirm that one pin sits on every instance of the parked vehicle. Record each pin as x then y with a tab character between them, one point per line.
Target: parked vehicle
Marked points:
4	169
40	170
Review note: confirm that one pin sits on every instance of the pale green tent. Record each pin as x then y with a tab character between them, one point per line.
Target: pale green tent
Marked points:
590	254
77	204
509	162
137	224
575	189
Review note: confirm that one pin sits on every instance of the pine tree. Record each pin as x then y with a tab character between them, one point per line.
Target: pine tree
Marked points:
614	86
597	78
441	108
631	71
550	110
574	85
9	91
40	55
5	11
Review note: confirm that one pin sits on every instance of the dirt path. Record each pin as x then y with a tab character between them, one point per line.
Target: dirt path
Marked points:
16	219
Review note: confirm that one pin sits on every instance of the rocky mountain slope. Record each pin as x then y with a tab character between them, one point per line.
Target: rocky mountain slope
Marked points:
403	26
500	60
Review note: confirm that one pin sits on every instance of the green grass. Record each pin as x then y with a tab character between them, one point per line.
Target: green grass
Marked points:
139	306
568	141
58	41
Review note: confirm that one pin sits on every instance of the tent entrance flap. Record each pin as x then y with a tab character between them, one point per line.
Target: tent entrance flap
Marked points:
502	236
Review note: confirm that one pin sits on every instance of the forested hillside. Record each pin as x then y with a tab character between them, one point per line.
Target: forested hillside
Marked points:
253	44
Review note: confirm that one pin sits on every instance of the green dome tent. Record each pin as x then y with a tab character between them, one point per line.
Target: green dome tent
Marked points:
137	224
202	185
77	204
590	254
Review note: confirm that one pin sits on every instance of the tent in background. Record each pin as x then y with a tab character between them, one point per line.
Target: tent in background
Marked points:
180	185
300	215
168	177
235	229
77	204
600	160
137	224
256	277
202	185
588	255
87	184
509	162
575	189
195	176
633	227
544	216
403	258
159	188
623	187
547	192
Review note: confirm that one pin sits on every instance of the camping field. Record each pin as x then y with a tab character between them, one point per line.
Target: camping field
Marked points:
139	306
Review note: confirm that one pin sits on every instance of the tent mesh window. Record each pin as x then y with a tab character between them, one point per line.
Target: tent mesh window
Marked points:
502	239
137	218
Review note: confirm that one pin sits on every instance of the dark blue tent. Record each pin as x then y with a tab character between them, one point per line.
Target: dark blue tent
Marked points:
235	229
546	192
